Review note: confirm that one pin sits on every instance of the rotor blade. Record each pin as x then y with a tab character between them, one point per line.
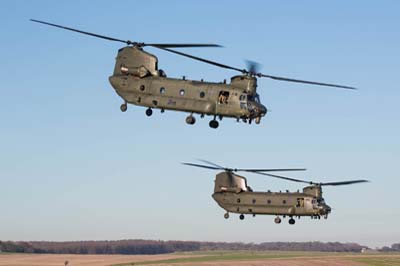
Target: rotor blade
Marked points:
270	170
284	177
340	183
305	81
203	166
182	45
200	59
83	32
211	163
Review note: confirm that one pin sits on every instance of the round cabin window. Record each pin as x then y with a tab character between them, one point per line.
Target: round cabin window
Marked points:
284	201
202	94
162	90
269	201
182	92
142	87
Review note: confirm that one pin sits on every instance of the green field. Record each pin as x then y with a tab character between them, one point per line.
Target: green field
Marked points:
198	258
378	261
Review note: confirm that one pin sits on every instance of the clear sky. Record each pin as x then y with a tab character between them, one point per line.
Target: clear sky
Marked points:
73	167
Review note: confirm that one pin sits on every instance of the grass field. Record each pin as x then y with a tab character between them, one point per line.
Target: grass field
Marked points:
217	258
277	258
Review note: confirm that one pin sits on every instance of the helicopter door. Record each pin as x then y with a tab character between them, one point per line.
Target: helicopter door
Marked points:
300	203
223	97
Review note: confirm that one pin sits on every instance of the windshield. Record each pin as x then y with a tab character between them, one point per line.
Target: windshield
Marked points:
254	98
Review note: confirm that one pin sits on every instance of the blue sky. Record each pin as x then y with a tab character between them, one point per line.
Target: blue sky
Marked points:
73	167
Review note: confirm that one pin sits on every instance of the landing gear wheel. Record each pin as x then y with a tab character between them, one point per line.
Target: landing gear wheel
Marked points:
258	120
226	215
123	107
277	220
292	221
241	217
214	124
190	120
149	112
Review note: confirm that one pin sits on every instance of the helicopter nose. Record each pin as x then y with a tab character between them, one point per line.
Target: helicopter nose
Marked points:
325	209
113	81
263	110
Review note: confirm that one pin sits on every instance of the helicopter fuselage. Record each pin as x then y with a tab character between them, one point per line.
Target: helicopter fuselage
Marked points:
232	193
137	80
272	203
188	95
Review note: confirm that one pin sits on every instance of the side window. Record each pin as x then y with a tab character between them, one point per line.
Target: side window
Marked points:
182	92
223	97
162	90
300	203
202	94
242	97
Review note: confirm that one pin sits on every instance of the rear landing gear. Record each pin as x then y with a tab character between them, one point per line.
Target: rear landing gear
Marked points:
292	221
226	215
241	217
214	123
149	112
123	107
190	120
277	220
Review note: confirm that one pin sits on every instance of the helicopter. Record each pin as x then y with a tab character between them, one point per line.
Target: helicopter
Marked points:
138	81
232	193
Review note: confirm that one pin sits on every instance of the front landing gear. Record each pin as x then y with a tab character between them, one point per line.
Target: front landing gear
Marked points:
149	112
123	107
226	215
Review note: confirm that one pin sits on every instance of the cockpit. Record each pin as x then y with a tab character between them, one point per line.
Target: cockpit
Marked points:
321	206
254	105
254	98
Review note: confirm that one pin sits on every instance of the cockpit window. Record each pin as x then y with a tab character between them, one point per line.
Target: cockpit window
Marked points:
242	97
254	98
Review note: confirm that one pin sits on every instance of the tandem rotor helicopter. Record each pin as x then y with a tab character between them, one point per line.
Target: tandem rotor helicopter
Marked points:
138	80
232	193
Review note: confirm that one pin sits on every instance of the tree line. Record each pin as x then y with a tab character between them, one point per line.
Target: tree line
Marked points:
139	246
393	248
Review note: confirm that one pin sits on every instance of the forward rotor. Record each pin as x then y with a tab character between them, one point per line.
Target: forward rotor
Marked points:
252	71
336	183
